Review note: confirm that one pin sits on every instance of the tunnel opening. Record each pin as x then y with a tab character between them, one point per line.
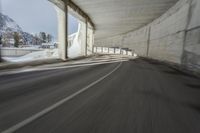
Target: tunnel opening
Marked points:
28	33
31	34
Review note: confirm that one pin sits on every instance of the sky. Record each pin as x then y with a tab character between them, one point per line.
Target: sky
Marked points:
35	16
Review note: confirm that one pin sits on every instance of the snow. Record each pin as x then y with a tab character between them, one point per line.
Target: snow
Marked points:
39	55
73	51
13	25
7	22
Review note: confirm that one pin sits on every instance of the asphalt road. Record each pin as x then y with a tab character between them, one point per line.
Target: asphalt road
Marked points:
136	96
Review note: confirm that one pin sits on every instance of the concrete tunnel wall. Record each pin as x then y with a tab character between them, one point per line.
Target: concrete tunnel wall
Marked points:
174	37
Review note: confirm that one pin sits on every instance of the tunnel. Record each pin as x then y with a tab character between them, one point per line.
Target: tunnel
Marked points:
139	72
166	30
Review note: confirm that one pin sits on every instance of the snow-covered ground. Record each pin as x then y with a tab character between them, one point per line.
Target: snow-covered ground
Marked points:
73	52
45	54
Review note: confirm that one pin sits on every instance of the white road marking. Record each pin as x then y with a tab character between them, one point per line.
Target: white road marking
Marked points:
58	67
54	106
83	62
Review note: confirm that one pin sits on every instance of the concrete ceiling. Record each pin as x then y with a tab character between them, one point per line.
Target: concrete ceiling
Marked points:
114	17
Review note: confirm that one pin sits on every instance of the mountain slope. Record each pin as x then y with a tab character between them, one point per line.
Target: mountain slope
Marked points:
8	26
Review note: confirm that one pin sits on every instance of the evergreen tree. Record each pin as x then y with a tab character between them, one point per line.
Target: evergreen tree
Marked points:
16	39
43	37
49	38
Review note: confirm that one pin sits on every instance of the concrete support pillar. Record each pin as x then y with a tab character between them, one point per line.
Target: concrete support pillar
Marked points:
93	40
0	47
63	32
148	41
83	37
89	39
92	49
101	49
86	37
0	55
114	50
108	50
66	32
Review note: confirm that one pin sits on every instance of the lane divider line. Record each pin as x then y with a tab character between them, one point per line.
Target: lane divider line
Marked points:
56	105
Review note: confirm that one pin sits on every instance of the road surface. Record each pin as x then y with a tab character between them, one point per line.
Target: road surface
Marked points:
133	96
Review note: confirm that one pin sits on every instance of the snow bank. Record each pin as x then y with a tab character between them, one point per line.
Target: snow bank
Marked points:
46	54
73	51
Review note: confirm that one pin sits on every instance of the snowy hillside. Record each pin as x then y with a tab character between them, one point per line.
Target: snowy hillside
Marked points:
8	24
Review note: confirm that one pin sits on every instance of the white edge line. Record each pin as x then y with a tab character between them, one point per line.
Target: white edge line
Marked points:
54	106
54	68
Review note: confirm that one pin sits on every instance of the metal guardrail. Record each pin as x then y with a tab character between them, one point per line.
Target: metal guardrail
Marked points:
113	50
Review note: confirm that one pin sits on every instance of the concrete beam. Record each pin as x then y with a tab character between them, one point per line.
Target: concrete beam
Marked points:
116	17
78	10
75	8
58	3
